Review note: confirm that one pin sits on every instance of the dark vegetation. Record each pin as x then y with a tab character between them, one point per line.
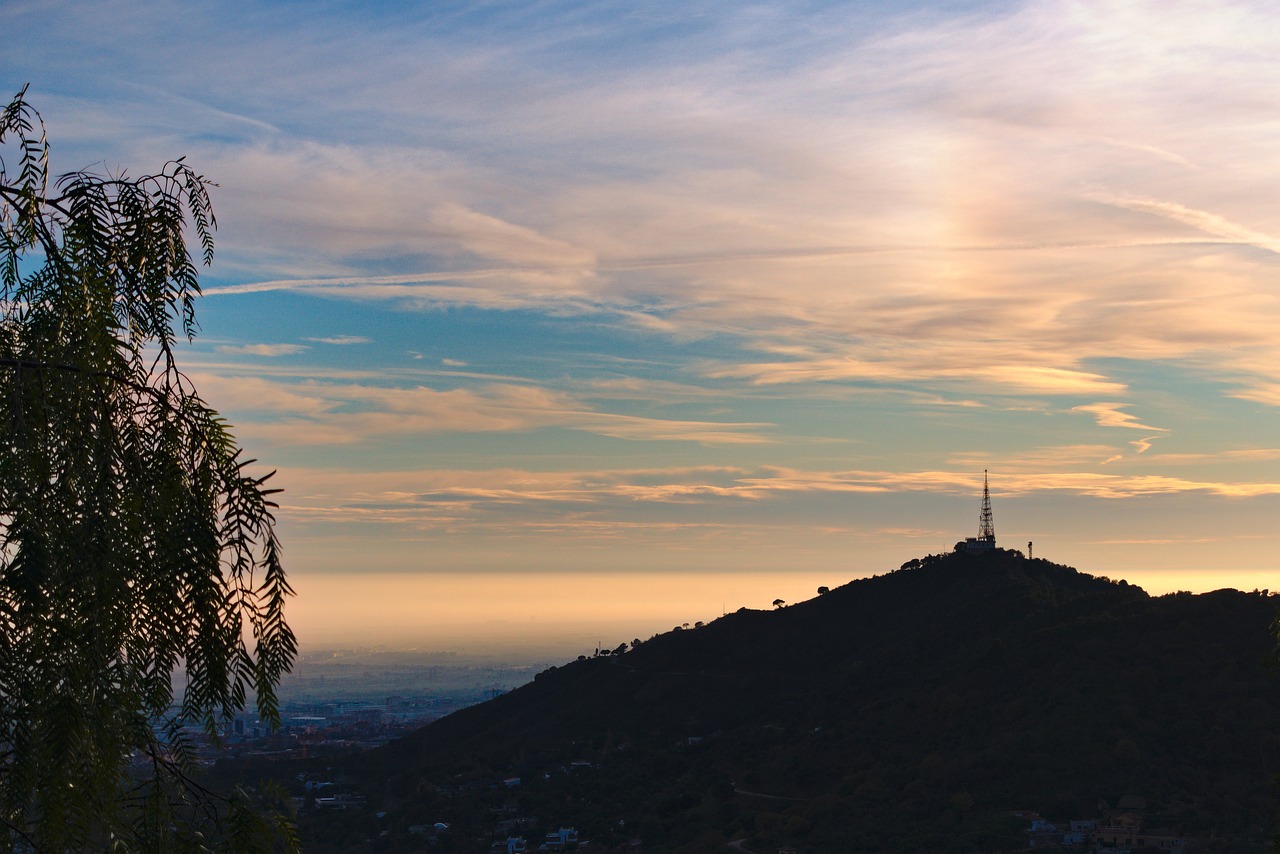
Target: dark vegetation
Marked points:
906	712
135	539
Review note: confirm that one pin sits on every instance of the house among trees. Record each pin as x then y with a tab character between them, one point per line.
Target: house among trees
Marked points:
1125	827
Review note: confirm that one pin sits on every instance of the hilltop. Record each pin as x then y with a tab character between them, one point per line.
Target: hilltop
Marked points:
908	711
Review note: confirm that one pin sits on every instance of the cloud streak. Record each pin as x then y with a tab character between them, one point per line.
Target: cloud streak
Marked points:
342	340
1111	415
316	413
268	350
455	497
723	198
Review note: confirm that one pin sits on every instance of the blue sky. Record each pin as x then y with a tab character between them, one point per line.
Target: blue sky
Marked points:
545	288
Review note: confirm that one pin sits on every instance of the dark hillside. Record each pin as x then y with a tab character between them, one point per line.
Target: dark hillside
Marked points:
910	711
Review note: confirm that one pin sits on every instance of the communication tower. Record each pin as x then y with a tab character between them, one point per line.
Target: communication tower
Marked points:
986	527
986	539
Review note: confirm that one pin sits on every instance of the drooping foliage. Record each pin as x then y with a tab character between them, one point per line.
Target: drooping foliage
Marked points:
137	550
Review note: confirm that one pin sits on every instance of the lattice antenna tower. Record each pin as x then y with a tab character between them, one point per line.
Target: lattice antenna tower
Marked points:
986	527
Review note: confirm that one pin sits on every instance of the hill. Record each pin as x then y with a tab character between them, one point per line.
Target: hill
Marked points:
909	711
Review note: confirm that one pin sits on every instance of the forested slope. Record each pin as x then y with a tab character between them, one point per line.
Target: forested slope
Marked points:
909	710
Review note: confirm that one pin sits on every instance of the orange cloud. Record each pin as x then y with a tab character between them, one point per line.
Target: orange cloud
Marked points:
1109	415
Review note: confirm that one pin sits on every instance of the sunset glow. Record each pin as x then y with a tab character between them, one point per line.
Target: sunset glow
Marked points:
556	314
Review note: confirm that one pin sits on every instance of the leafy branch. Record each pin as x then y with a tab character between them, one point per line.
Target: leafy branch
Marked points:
134	539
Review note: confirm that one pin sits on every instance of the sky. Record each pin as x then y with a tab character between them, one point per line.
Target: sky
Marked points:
550	312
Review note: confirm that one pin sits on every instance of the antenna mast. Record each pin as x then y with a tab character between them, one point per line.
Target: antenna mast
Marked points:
986	527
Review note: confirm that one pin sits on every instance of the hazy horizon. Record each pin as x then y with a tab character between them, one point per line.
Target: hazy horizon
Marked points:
541	615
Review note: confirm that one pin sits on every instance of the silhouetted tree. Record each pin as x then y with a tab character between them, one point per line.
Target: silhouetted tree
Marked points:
133	539
778	603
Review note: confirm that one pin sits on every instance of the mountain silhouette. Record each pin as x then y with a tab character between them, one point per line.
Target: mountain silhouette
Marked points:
909	711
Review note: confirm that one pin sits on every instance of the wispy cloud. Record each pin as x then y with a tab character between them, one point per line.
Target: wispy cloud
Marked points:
341	340
466	496
1244	455
1213	225
1009	379
498	289
310	412
262	349
905	232
1111	415
1260	392
1035	460
490	237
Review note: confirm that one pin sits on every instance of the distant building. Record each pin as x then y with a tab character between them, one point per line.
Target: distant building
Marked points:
559	839
340	802
1126	832
986	539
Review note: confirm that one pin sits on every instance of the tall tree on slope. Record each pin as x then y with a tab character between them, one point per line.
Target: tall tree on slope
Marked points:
135	545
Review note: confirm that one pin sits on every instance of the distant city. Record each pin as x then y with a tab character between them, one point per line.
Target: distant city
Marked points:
346	699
